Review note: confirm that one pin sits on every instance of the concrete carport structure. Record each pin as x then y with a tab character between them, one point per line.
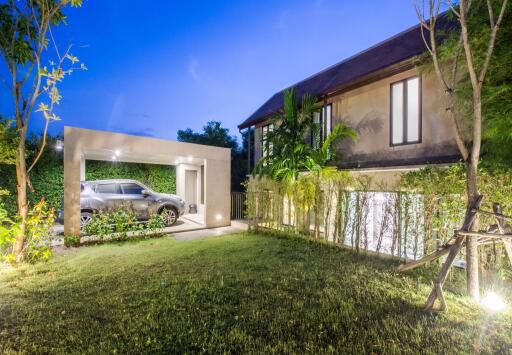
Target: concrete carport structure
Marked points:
212	167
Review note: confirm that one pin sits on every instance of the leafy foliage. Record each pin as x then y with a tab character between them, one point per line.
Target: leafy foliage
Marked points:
39	224
116	225
290	152
47	177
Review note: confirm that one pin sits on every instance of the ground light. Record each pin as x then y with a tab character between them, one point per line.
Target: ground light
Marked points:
59	145
493	302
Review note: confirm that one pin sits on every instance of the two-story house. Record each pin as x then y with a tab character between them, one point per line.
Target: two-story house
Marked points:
398	112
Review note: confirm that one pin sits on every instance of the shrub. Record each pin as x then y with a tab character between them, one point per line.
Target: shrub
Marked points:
117	225
38	235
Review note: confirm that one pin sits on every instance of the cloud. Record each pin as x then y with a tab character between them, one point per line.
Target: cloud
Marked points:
193	65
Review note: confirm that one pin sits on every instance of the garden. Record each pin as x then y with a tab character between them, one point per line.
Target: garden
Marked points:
239	293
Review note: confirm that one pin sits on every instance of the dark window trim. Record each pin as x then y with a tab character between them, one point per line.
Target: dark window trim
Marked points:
323	125
264	140
404	112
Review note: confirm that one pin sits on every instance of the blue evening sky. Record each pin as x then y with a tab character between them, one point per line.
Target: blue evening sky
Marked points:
160	66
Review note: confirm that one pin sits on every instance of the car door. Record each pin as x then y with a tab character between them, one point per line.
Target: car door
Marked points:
137	202
110	195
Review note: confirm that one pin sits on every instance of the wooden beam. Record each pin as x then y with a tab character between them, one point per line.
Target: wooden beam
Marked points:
482	234
437	290
503	227
426	259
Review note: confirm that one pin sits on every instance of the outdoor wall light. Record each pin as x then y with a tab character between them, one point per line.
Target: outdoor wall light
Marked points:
176	162
117	152
493	302
59	145
114	158
190	158
218	217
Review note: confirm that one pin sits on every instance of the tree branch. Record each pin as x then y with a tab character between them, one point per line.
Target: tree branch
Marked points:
492	40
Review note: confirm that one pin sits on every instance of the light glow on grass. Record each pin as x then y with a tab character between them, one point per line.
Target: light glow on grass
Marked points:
493	302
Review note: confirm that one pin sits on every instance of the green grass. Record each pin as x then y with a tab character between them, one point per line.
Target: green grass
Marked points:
238	293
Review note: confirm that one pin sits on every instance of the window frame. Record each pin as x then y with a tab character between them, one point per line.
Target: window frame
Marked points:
405	112
322	122
266	147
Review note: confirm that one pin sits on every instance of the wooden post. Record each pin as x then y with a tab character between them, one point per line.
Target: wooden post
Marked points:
503	228
437	291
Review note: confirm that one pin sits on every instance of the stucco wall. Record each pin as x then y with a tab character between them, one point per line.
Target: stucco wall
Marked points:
80	143
367	110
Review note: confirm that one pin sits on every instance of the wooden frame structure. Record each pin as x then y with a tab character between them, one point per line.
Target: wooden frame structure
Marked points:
499	232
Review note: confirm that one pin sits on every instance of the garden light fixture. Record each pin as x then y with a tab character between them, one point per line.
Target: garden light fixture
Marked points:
59	145
493	302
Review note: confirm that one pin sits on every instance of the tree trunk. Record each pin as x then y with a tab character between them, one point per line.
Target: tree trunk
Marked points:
21	187
472	277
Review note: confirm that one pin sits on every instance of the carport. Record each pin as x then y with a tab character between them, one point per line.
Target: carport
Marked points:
203	173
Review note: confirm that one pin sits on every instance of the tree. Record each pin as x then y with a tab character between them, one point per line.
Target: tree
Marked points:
214	134
289	152
468	59
25	39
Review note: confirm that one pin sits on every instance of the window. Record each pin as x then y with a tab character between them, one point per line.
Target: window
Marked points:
108	189
266	146
132	189
324	120
406	112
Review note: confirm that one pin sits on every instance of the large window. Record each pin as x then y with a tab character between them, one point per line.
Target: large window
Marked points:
266	145
406	112
324	120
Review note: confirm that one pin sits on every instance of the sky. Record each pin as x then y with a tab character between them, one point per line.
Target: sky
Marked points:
160	66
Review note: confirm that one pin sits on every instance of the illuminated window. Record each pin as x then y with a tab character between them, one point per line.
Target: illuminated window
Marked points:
406	112
266	145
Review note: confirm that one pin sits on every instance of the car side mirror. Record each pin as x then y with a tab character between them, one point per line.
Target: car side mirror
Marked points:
145	192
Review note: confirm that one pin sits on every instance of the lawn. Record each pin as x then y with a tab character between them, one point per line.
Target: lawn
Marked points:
238	293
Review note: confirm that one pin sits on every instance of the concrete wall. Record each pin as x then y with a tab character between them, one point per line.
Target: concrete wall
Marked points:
367	110
82	144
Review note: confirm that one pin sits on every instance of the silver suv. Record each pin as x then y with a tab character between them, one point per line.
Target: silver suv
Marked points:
125	194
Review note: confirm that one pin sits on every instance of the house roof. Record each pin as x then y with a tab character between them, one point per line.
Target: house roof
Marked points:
394	50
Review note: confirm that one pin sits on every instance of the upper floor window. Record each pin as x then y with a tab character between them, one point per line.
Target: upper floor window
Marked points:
406	111
324	120
266	145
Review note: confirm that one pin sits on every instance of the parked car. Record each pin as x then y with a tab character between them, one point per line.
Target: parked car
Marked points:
125	194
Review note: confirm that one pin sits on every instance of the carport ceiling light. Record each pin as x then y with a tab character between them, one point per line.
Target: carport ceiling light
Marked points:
190	158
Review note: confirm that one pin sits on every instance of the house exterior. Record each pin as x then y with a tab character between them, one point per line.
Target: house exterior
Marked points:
398	112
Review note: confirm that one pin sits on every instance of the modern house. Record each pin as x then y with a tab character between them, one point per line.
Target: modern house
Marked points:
398	112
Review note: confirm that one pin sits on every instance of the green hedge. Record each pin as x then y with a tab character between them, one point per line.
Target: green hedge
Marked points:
48	178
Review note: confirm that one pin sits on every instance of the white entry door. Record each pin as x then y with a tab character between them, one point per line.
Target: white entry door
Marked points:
190	187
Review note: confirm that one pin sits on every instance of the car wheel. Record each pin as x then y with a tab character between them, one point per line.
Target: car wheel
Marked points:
169	215
85	217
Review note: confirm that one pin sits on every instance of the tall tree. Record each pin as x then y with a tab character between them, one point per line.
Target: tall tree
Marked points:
25	40
470	58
